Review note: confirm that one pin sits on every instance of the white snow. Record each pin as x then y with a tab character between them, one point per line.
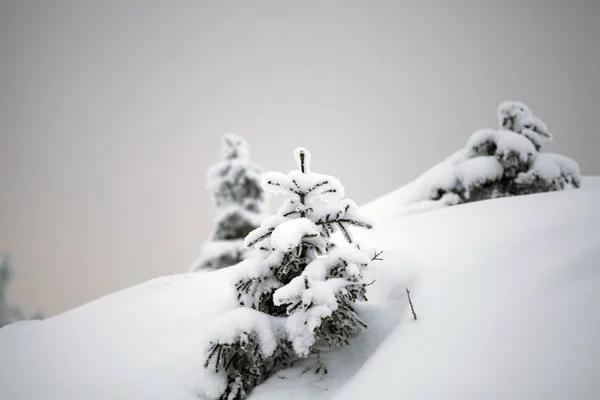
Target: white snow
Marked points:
535	138
551	166
140	343
537	126
317	187
505	291
479	170
567	166
415	193
512	115
303	182
590	182
545	166
227	328
269	224
512	143
482	142
289	235
506	300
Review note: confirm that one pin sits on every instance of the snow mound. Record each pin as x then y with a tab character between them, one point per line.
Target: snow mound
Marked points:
505	300
140	343
412	198
505	292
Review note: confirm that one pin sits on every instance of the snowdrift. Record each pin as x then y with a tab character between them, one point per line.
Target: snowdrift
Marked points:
506	303
505	291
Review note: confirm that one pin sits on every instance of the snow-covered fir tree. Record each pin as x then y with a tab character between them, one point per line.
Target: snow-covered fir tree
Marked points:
298	292
508	161
8	313
240	202
5	276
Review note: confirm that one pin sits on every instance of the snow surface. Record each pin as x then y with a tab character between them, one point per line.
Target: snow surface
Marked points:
590	182
506	293
506	303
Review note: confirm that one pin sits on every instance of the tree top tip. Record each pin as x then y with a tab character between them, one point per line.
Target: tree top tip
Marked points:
302	159
234	146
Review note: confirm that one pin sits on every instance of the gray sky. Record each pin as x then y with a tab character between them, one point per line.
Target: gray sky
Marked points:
111	112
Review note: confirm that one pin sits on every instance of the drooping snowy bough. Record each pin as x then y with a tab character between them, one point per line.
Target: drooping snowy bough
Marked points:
297	294
506	162
240	202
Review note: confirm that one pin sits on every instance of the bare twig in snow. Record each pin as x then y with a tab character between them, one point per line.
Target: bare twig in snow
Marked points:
376	256
411	304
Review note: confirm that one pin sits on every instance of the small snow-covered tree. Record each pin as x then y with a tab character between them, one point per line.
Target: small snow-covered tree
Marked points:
240	202
508	161
298	293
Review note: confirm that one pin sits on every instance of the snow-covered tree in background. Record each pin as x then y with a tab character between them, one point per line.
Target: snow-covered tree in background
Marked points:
8	313
297	293
6	316
507	162
240	202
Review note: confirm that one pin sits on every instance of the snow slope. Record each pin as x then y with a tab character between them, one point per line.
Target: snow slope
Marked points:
135	344
590	182
506	292
413	197
506	299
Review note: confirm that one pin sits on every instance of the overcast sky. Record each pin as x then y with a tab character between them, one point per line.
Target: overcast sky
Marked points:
111	112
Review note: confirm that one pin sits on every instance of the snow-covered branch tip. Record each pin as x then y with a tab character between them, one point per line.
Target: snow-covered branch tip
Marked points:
303	159
411	305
